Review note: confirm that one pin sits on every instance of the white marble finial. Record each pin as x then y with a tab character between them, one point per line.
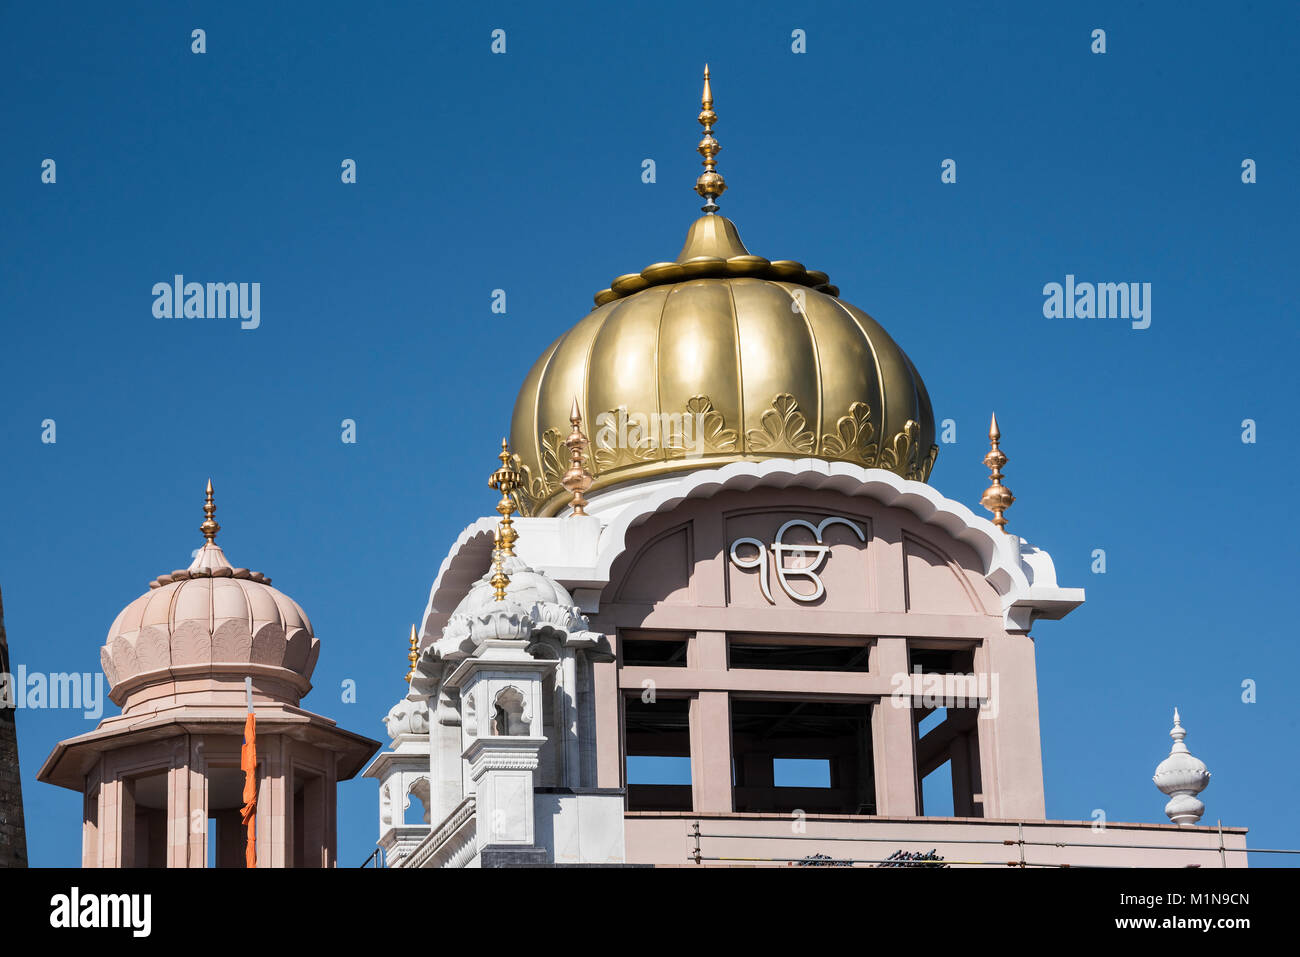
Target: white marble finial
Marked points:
1182	776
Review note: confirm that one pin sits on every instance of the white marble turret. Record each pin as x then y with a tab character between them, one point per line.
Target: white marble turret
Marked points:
403	774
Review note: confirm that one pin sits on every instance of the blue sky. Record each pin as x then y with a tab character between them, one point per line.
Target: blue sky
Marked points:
523	172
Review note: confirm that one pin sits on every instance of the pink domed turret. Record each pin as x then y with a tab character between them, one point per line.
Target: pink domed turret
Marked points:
209	621
188	661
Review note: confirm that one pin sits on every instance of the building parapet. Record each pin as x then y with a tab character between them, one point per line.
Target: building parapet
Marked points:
680	839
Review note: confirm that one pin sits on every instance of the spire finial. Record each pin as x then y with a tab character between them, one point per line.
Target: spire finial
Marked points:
209	528
413	655
710	185
997	498
577	479
1177	733
505	480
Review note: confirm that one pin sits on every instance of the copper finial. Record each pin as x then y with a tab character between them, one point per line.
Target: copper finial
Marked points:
413	655
997	498
577	479
505	480
209	528
710	185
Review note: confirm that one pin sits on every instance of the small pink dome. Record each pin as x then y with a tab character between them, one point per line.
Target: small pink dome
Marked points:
209	619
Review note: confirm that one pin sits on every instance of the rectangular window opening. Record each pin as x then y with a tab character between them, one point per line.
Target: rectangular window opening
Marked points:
940	661
654	649
144	820
788	653
657	743
810	755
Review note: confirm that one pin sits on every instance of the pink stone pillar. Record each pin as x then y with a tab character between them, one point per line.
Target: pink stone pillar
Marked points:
1011	765
710	719
195	781
609	724
707	651
274	835
93	820
331	811
178	810
893	738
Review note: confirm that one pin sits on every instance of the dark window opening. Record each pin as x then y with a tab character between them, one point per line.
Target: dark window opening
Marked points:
655	649
802	755
941	661
308	819
797	654
144	820
658	749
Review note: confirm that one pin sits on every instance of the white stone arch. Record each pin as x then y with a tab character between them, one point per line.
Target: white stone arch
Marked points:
511	715
418	787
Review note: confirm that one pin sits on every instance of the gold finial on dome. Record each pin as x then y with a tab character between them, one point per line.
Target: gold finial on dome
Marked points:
209	528
413	655
505	480
499	579
710	185
997	498
577	479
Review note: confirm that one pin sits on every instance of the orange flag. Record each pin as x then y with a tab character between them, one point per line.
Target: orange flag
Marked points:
248	763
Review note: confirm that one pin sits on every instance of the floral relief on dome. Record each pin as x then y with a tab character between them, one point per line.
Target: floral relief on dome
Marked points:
535	489
784	429
622	439
852	438
532	490
626	440
903	454
706	434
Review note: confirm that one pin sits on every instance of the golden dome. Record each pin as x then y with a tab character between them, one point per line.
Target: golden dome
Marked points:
718	357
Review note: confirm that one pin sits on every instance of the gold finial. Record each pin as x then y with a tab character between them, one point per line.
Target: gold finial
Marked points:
499	579
413	655
577	479
209	528
710	185
505	480
997	498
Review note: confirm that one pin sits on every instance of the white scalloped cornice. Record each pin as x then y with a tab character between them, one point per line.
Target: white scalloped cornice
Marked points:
1022	575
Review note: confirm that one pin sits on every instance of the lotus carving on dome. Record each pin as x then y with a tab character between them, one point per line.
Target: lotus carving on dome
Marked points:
564	618
511	623
408	716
